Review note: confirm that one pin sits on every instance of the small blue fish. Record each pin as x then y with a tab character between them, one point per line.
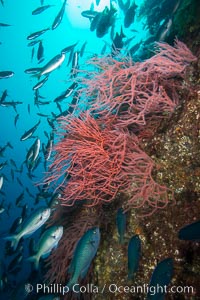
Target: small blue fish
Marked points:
121	224
134	251
40	9
84	253
161	277
6	74
59	17
190	232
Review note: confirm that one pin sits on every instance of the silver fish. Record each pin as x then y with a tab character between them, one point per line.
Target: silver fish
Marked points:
53	64
47	242
30	225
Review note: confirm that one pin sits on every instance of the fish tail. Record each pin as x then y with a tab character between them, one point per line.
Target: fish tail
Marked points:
72	282
121	239
131	276
14	239
37	75
35	260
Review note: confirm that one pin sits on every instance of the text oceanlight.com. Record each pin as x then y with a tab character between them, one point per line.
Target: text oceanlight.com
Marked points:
108	288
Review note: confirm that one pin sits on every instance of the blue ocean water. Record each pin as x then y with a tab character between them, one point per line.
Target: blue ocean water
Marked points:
16	56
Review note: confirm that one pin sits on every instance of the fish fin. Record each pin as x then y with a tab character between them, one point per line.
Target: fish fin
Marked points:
35	260
45	255
38	74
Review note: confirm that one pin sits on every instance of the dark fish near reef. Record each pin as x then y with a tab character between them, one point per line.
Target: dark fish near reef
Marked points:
117	44
59	16
84	253
30	225
67	93
6	74
95	21
40	9
71	107
161	277
121	224
51	123
34	35
134	252
130	15
190	232
47	242
29	132
124	6
106	20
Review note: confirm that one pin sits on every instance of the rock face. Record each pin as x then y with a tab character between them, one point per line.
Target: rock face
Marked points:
175	148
